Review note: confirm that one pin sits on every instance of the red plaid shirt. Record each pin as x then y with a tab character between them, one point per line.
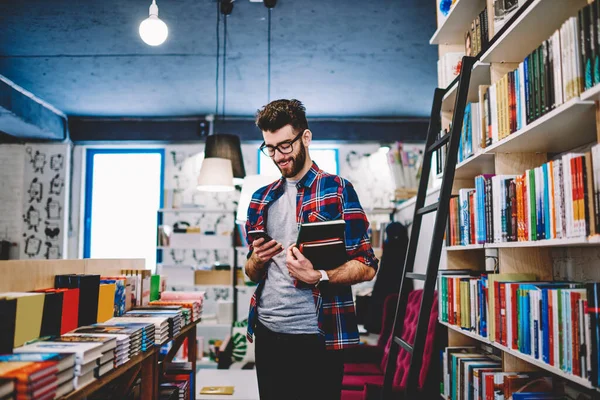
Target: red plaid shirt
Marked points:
321	197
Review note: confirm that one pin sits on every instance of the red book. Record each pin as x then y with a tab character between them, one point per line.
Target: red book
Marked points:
515	326
32	372
574	193
497	307
551	293
502	309
70	312
489	387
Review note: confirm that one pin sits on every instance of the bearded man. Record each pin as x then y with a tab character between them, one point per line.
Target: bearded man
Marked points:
301	318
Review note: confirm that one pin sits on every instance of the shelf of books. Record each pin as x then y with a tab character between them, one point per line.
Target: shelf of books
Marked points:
94	329
527	189
537	21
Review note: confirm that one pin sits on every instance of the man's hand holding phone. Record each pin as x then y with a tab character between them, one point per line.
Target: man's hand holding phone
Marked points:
265	248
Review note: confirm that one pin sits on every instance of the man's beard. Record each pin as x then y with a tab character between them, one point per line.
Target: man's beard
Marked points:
295	165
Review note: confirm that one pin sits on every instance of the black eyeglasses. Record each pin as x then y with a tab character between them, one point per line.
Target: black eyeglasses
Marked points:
285	147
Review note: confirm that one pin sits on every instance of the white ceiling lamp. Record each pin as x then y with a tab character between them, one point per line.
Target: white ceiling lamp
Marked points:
216	175
153	30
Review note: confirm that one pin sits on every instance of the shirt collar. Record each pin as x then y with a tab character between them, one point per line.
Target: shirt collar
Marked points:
307	180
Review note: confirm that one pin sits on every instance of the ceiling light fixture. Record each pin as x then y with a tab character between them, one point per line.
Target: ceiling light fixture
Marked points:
153	30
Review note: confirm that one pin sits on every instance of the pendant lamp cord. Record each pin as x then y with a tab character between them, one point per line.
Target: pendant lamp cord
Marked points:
218	55
224	62
269	58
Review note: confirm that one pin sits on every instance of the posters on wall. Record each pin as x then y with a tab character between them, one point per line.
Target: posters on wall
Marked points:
44	197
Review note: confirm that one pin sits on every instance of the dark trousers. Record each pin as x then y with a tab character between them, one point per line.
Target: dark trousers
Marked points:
296	367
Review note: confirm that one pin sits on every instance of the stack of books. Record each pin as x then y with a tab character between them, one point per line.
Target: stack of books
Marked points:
180	375
106	363
154	330
174	313
122	350
65	371
33	380
87	355
177	390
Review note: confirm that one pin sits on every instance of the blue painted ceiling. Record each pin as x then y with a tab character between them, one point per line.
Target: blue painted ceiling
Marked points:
343	58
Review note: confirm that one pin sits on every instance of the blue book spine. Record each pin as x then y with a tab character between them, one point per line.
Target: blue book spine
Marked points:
545	328
527	322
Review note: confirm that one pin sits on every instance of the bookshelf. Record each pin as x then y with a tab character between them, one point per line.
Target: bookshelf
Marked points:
28	275
563	129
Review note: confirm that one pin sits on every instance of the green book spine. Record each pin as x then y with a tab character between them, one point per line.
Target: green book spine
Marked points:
532	210
542	77
154	287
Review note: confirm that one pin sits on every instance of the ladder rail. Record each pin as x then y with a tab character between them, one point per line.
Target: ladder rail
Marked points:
441	221
437	239
432	131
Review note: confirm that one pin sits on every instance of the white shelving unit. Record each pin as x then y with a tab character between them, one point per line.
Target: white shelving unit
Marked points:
480	75
572	242
537	22
570	125
452	30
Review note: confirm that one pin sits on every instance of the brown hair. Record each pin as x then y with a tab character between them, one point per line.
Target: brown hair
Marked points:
280	113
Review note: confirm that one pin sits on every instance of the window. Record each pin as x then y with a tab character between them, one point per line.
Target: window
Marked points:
326	159
123	194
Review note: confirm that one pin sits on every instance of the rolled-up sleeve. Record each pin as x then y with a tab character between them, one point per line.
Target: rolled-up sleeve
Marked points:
358	245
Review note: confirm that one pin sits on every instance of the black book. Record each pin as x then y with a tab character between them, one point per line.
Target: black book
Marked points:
8	316
89	287
593	309
323	243
51	318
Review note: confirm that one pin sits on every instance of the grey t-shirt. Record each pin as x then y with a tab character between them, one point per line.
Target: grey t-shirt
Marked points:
282	307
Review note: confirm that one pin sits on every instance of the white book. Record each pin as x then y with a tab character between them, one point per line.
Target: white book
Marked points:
84	352
533	323
558	93
575	63
567	61
493	108
85	380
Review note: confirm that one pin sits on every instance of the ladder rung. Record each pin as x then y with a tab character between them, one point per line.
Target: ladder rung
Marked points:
428	209
412	275
403	344
439	143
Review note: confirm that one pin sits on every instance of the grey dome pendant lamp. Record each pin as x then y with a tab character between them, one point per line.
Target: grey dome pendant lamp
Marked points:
224	146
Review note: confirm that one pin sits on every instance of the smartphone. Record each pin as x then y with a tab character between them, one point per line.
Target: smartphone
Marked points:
255	235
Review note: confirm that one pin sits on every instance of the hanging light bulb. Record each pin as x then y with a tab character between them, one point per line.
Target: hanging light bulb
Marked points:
153	30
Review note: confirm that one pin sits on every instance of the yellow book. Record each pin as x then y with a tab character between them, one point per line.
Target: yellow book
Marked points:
106	302
30	308
493	278
217	390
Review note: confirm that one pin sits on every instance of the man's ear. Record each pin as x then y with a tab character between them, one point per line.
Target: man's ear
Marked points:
307	137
